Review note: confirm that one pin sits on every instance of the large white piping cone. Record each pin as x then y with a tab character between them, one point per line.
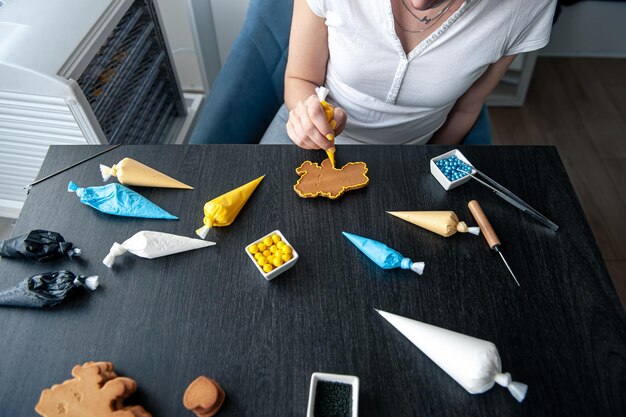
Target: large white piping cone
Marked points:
473	363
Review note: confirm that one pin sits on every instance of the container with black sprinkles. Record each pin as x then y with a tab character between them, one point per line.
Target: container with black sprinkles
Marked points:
333	395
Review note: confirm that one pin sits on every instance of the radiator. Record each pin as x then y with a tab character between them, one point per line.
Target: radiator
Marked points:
80	72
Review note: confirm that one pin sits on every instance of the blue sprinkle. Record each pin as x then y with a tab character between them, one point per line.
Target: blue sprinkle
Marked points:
453	168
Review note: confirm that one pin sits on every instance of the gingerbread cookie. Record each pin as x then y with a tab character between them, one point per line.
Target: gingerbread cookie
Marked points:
204	397
326	181
95	391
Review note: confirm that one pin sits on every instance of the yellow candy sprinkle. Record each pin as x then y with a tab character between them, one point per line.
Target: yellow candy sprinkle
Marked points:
271	252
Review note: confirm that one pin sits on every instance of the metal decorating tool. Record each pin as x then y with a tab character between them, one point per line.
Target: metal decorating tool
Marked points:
510	198
29	186
452	169
488	232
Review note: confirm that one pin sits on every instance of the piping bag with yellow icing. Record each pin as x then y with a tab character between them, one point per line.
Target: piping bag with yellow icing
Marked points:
222	210
329	111
444	223
131	172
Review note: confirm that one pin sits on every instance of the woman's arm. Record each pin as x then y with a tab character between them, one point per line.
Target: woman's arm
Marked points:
466	109
306	69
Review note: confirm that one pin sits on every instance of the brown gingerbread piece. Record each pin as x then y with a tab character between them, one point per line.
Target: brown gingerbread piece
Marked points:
324	180
95	391
204	397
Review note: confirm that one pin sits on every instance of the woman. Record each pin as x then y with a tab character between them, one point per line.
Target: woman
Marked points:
401	71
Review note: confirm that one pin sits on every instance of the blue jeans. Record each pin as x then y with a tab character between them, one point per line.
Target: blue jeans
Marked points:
276	133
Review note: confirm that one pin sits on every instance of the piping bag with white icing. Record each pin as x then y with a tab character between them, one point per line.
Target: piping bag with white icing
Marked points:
147	244
473	363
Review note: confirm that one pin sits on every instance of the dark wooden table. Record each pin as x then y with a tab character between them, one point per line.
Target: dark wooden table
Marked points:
164	322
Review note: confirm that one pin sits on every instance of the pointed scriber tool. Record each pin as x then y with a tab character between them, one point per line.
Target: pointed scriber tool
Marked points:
490	235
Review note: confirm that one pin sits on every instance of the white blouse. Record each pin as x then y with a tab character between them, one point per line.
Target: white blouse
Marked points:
395	98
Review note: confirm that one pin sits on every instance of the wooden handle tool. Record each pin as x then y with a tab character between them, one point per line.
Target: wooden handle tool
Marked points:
490	235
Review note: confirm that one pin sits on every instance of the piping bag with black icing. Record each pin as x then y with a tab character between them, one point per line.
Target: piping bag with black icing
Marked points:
41	245
46	290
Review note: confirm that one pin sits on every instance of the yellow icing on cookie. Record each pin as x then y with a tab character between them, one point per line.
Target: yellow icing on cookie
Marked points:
326	181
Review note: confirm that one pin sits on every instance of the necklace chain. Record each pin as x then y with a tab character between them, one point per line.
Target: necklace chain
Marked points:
429	21
426	19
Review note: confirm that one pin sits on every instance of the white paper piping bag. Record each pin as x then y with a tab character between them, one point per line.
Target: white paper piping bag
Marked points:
147	244
473	363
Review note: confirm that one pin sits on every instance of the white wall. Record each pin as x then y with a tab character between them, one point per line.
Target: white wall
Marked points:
178	32
589	28
228	16
200	34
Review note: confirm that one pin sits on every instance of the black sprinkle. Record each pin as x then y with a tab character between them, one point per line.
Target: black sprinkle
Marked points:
333	399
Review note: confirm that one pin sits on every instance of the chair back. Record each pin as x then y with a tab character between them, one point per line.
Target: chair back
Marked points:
249	88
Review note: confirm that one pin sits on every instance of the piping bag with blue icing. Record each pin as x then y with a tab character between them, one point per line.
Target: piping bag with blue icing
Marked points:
120	201
382	255
473	363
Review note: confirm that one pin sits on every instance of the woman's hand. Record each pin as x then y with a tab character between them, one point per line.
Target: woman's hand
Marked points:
307	125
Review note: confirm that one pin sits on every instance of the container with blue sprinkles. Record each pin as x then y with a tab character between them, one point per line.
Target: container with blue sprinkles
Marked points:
447	169
333	395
